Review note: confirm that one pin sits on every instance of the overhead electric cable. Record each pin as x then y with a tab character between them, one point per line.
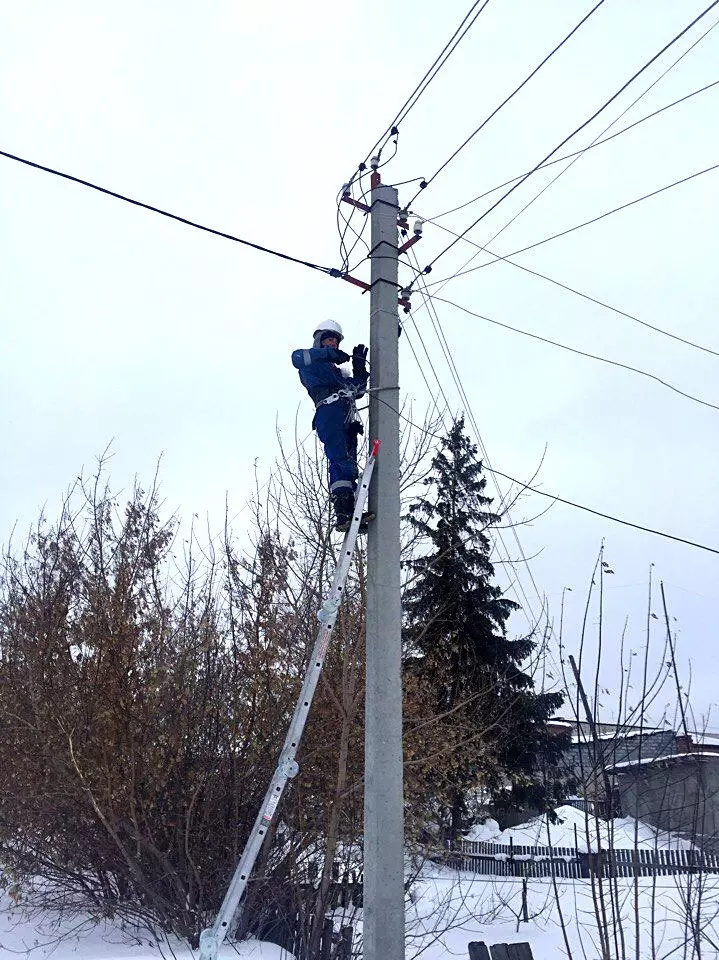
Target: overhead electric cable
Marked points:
601	133
590	146
577	506
579	293
437	324
581	353
575	131
165	213
412	99
507	99
563	233
408	105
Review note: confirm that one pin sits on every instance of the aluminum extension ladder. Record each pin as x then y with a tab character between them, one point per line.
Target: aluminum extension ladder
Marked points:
287	768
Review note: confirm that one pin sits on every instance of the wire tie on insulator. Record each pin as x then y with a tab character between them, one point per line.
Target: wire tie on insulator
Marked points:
394	132
428	268
362	166
346	189
422	184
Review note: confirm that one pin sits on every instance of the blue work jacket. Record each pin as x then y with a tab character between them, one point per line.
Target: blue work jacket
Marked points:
320	375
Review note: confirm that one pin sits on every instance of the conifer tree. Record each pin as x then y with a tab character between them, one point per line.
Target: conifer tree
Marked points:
459	650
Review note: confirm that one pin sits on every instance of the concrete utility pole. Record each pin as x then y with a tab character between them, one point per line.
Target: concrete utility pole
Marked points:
383	795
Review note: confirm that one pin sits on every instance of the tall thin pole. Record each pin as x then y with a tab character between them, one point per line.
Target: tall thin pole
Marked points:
383	804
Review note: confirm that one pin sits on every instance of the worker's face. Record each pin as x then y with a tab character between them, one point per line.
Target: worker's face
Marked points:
330	342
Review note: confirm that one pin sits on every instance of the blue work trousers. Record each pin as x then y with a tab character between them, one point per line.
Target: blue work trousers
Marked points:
333	423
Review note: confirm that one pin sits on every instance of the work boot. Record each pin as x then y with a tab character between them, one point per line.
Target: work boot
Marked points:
367	518
344	504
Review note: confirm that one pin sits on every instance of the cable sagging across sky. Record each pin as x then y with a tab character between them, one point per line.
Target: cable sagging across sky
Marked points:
507	99
165	213
581	353
574	132
579	293
563	233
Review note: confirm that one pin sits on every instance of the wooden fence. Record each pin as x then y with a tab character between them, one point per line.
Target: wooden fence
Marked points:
518	860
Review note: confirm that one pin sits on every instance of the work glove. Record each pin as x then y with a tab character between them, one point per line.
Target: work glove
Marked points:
338	356
359	361
356	428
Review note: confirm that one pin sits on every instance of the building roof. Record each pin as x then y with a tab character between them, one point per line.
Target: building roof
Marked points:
704	756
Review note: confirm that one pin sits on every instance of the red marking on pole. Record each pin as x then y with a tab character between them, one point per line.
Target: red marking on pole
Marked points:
375	447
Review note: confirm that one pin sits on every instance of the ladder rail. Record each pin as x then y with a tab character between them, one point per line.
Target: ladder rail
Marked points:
287	767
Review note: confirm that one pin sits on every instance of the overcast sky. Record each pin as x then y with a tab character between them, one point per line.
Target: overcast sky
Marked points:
119	325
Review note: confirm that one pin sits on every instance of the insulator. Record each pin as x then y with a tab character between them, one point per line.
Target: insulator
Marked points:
418	225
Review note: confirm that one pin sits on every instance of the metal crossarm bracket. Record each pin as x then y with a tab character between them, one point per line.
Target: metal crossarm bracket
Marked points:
356	203
410	243
287	767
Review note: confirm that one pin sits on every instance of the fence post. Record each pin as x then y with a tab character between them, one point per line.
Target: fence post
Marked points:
326	941
344	950
478	951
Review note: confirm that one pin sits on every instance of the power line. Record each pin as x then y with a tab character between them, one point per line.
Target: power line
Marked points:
454	372
579	293
601	133
579	506
507	99
404	112
172	216
581	353
562	233
575	132
412	99
578	153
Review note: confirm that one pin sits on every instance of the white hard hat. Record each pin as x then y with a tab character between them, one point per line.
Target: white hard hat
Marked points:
330	326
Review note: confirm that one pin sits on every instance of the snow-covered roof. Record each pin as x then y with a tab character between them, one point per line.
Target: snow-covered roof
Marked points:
668	758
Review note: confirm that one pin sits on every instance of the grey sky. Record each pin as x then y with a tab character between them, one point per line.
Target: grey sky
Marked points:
121	325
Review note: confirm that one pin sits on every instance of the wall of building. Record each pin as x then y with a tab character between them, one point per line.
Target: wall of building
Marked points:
680	796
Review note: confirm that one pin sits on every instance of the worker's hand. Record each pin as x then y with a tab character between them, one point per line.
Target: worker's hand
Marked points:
359	360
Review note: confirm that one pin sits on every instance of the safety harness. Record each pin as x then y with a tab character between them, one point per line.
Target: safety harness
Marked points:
347	392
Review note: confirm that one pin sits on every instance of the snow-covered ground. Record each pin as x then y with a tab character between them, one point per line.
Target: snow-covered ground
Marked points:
41	935
622	833
447	909
453	909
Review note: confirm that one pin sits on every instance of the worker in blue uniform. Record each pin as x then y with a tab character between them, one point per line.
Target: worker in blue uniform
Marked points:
334	392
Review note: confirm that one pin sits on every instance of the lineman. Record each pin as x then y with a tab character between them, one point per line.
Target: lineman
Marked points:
334	393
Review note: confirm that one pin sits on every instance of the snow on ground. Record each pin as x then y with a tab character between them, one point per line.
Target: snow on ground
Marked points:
619	833
447	910
36	938
453	909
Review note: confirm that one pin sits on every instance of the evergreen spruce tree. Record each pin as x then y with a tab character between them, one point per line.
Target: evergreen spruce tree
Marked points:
470	669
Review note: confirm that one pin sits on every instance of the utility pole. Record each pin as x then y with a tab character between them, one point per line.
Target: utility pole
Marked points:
383	795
